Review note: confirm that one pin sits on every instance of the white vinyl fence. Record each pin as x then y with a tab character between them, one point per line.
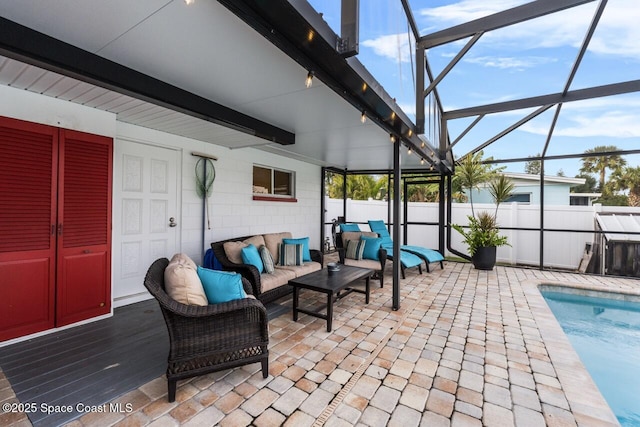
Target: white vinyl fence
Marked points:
561	249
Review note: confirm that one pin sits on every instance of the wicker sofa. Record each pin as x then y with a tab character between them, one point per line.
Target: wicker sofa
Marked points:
266	287
210	338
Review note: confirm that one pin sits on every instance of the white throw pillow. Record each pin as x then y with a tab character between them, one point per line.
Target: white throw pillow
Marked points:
182	283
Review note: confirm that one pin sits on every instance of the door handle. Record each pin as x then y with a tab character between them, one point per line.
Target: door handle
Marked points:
172	222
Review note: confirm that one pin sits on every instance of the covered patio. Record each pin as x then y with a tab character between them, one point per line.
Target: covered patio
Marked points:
467	348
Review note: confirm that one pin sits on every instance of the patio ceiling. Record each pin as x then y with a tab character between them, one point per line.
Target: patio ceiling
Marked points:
210	69
201	54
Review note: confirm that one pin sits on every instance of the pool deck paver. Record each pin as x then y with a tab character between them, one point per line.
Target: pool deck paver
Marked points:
466	348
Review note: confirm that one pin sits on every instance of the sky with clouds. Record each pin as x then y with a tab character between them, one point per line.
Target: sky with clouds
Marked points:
523	60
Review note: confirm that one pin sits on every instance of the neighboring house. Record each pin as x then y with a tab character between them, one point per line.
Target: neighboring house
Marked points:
557	190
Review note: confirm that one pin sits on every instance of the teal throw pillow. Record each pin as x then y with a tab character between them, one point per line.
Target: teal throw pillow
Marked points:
251	256
349	227
221	286
304	241
371	247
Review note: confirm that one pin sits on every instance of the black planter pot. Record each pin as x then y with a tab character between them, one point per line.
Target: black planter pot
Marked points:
484	258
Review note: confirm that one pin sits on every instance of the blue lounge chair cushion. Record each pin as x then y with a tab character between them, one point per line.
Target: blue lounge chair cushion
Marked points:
349	227
408	260
429	255
379	227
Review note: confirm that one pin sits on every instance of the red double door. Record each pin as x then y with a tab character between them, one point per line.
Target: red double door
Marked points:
55	227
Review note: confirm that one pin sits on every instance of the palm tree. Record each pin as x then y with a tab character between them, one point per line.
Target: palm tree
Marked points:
599	163
471	172
501	188
423	193
359	187
629	179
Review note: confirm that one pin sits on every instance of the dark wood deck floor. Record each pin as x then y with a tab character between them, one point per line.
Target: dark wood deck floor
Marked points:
90	364
93	363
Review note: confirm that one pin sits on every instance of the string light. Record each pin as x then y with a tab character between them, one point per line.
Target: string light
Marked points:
363	117
409	150
423	145
310	35
422	161
309	80
393	115
189	2
364	87
392	137
410	133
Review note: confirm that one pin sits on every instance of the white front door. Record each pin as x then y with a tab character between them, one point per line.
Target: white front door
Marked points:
146	215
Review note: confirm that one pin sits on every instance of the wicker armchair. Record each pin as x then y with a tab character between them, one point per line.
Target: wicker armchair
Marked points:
376	265
204	339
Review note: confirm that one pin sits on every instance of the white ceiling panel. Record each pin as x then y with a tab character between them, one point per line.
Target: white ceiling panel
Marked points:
206	50
89	25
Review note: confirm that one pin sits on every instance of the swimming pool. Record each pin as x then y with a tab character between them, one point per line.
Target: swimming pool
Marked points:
606	335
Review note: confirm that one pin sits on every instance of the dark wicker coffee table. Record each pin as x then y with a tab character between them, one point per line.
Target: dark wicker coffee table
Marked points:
331	283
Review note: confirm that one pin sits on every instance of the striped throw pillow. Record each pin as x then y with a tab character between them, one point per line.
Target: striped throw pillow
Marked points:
355	249
267	259
290	254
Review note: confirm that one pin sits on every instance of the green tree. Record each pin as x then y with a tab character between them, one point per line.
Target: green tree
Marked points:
501	188
533	167
589	185
628	179
470	173
613	200
359	187
600	163
423	193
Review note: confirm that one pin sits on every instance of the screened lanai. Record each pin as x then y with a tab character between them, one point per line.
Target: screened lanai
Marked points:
540	88
523	82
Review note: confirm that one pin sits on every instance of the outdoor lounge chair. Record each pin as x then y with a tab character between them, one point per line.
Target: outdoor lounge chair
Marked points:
215	337
426	254
407	260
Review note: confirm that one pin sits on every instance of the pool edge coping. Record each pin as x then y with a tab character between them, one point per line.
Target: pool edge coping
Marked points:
585	400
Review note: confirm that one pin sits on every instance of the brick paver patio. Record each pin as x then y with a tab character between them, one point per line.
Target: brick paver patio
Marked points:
467	348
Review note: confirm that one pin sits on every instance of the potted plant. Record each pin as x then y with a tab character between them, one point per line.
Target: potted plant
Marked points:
483	235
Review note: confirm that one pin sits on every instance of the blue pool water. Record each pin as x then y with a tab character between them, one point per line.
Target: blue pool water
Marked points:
606	335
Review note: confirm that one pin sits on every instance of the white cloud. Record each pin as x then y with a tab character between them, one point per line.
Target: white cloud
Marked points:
409	109
468	10
617	34
518	63
612	124
615	103
393	46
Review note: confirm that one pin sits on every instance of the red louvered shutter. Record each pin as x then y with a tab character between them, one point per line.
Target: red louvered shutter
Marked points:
28	176
84	221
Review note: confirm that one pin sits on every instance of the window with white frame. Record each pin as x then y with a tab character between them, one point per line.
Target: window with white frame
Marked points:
272	182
